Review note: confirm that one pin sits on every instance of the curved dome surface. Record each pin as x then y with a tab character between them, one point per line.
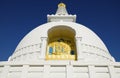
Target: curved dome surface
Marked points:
91	46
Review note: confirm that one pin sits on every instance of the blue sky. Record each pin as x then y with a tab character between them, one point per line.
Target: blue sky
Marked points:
18	17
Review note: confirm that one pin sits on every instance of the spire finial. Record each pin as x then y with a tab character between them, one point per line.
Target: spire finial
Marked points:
61	9
61	14
61	4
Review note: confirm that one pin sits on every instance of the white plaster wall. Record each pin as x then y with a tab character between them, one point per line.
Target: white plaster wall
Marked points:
81	31
30	46
59	69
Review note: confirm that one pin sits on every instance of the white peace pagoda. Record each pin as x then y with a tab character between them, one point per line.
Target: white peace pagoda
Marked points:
60	48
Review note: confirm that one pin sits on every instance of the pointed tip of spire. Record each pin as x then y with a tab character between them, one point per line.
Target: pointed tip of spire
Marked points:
61	4
61	9
61	14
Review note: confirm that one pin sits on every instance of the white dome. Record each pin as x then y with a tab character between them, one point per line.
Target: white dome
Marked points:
92	48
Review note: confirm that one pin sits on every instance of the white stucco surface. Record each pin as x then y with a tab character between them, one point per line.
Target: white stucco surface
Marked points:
29	58
91	45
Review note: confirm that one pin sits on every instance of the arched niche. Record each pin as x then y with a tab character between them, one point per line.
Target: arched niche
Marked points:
61	44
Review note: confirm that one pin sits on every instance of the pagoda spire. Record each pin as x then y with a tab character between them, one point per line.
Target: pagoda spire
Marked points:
61	15
61	9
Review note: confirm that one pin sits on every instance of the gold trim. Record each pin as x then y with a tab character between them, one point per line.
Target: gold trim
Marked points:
61	5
